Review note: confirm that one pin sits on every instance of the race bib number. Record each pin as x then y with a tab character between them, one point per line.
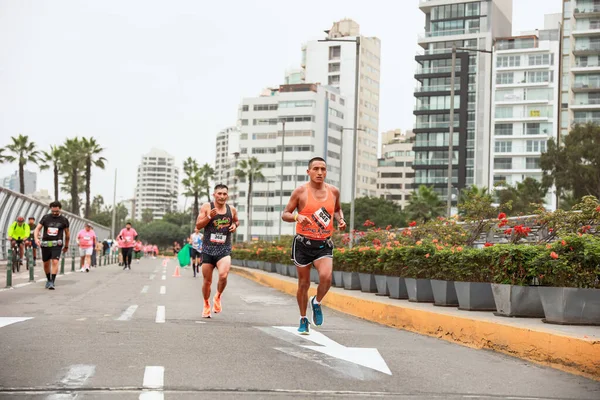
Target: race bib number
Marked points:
322	217
127	239
52	231
218	238
87	238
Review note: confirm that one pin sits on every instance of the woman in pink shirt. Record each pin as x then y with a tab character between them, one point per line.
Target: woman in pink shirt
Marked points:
128	237
86	239
155	251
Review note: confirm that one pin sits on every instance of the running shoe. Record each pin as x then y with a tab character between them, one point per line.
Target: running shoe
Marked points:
217	304
304	327
317	313
206	310
51	286
47	284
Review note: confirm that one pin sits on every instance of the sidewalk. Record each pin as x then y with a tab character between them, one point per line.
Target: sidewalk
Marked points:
23	275
575	349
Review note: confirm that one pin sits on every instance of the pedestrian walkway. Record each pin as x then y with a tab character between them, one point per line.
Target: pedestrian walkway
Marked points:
575	349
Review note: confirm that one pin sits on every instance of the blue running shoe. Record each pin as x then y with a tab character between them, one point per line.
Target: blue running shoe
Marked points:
317	313
304	327
51	286
47	284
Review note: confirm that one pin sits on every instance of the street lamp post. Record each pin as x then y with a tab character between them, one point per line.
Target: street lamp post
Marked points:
281	181
236	155
268	220
355	134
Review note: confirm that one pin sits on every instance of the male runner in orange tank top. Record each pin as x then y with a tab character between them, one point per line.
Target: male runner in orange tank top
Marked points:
318	204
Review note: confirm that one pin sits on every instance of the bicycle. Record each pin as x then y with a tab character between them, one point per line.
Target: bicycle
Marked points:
16	259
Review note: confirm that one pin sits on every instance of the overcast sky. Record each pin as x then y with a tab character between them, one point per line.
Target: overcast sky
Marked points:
170	74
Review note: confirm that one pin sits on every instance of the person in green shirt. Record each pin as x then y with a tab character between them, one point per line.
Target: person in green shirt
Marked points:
18	232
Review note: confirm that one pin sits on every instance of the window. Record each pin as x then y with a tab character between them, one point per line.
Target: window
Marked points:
505	78
504	112
265	107
297	148
503	146
502	163
264	150
331	154
532	163
264	136
243	136
336	113
508	61
335	52
538	76
536	146
342	102
539	59
532	129
333	140
245	107
333	80
391	175
243	150
298	103
335	127
298	118
504	129
334	67
244	122
499	179
265	121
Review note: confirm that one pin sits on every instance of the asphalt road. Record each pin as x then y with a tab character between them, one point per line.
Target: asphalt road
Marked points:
100	335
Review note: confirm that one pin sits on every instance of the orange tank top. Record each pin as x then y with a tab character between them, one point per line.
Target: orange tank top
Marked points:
320	214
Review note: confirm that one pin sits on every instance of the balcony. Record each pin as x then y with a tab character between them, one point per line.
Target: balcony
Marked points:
589	86
436	70
586	11
434	180
587	49
447	33
434	161
441	88
436	143
588	120
586	30
586	67
436	125
531	115
585	104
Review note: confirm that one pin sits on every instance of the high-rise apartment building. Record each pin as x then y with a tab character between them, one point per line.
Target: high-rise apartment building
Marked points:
334	63
465	24
228	144
580	88
395	175
157	184
12	182
526	98
294	123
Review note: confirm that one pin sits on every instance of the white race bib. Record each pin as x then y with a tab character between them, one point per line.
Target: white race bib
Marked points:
218	238
52	231
322	217
87	238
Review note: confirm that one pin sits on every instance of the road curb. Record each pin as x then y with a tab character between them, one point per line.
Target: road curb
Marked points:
569	354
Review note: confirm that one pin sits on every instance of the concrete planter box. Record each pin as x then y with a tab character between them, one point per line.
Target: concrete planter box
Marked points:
571	306
397	287
280	269
314	275
351	281
517	301
475	296
367	282
269	267
291	271
252	264
419	290
444	293
337	279
382	286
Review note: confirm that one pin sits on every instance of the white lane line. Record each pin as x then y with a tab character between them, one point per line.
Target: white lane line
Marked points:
145	289
5	321
160	314
22	284
81	319
152	276
163	290
78	374
127	314
164	278
154	377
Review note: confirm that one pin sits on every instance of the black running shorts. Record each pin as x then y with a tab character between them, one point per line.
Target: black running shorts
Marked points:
195	253
306	251
51	253
213	260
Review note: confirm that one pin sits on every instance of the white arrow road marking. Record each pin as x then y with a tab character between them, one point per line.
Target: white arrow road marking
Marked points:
160	314
78	374
163	290
5	321
367	357
127	314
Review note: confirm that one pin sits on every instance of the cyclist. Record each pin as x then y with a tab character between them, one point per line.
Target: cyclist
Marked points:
18	232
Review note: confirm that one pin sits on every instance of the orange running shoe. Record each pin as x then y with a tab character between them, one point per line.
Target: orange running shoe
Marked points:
206	310
217	304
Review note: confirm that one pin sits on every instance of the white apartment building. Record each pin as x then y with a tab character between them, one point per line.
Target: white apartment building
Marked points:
580	92
157	184
395	175
12	182
334	63
228	144
526	96
465	24
314	117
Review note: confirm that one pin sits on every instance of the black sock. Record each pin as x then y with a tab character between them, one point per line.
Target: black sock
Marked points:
48	276
53	277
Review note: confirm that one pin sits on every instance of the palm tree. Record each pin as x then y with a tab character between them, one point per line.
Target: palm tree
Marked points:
91	151
250	169
23	151
193	183
2	155
73	161
425	204
53	158
208	174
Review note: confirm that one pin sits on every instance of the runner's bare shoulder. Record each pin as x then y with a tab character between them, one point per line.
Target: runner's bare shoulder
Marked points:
335	190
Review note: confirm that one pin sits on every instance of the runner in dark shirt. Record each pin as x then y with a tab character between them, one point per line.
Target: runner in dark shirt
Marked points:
54	226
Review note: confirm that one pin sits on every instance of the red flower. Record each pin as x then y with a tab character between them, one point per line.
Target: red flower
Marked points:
598	209
563	243
376	242
571	248
502	216
488	244
413	223
502	223
585	229
554	255
369	223
387	228
427	255
508	231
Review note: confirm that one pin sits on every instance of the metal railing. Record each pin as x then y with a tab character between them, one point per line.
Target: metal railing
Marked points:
13	204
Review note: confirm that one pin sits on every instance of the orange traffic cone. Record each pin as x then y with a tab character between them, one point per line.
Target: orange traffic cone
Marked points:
176	274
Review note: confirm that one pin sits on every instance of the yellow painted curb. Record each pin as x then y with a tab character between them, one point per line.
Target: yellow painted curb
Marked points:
570	354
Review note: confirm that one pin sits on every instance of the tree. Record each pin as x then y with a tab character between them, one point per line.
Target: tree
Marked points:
147	215
72	162
575	166
193	183
97	204
381	212
522	199
208	174
162	233
249	169
91	157
476	203
23	152
2	155
425	205
53	159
